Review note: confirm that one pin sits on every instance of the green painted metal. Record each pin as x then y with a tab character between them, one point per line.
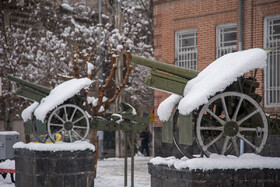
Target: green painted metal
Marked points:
132	158
40	127
125	157
175	70
30	93
167	131
22	82
186	129
274	124
166	82
99	123
28	127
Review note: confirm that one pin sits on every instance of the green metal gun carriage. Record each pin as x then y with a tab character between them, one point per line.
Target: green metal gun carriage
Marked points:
230	119
70	121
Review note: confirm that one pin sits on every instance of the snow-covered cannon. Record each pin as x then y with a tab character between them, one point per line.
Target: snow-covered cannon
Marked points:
60	114
219	105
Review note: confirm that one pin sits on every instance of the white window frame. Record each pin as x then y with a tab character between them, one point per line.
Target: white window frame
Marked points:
220	48
271	82
186	56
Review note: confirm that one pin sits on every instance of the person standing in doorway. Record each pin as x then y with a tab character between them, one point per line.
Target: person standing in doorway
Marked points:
100	135
144	137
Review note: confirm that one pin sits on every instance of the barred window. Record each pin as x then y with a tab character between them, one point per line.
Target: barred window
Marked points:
186	49
272	71
226	39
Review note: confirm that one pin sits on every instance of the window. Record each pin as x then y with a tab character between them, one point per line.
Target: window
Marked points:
272	71
226	39
186	49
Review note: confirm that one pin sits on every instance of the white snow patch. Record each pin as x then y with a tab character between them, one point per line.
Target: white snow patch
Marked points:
245	161
101	109
9	133
7	164
92	100
67	7
119	116
58	146
166	107
60	94
90	68
27	113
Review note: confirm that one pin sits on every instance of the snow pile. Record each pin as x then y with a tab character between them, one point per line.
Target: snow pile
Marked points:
166	107
245	161
7	164
214	78
27	113
60	94
9	133
58	146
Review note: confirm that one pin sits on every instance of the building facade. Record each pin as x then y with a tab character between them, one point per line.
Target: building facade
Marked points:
193	33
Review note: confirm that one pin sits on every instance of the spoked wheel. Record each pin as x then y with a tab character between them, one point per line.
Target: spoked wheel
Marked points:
227	119
68	123
39	130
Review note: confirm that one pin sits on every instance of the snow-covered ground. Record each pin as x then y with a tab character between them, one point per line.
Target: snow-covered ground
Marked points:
110	173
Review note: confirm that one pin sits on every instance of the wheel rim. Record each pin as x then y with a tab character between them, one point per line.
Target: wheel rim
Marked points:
69	123
228	118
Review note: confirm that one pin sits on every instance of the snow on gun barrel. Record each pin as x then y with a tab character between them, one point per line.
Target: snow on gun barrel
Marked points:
214	78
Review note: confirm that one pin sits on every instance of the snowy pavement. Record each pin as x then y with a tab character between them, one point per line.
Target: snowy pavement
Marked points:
110	173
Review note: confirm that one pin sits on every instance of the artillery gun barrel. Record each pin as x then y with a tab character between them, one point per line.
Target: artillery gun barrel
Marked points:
175	70
43	89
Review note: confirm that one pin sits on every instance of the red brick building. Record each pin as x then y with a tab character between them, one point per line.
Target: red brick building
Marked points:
193	33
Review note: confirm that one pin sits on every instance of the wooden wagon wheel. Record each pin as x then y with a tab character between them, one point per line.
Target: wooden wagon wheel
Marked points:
228	118
69	123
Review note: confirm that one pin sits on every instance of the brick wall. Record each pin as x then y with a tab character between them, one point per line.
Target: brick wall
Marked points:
172	16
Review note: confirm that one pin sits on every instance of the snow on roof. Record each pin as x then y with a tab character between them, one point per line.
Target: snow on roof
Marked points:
60	94
58	146
214	78
245	161
9	133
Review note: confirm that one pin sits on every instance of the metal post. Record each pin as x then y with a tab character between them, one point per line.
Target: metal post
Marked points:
132	158
100	72
125	159
240	44
0	86
240	26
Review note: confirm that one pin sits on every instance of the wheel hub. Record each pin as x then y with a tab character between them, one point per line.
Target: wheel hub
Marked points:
68	125
231	128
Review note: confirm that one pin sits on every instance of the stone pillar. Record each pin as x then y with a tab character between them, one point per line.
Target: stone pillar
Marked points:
164	176
54	169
